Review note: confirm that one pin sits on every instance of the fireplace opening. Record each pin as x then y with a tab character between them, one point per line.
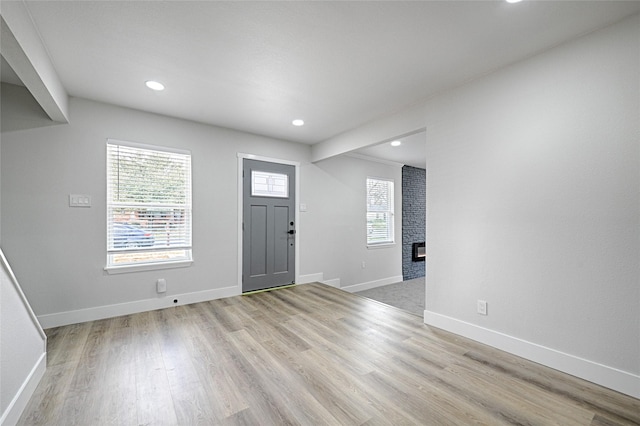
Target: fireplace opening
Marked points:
419	252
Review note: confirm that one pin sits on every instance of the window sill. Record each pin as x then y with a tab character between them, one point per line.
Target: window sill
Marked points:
147	267
380	246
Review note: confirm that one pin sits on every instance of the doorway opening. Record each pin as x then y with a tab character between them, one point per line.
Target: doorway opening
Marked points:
410	151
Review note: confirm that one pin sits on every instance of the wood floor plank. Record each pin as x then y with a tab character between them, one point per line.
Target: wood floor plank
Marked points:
544	407
190	401
66	344
154	404
621	408
332	344
344	391
267	329
304	305
336	394
45	406
105	364
215	374
243	418
452	401
273	378
118	407
304	355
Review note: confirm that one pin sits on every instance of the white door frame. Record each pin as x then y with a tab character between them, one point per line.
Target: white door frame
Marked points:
296	165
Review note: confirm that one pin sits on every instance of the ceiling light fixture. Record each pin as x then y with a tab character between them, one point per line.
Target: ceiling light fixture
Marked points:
298	122
514	1
154	85
396	143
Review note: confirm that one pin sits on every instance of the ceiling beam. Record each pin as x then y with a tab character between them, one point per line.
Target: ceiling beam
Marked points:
24	50
396	126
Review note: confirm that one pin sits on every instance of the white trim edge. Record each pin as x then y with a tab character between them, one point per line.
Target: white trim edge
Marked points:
372	284
110	311
23	298
310	278
600	374
373	159
21	399
335	282
125	269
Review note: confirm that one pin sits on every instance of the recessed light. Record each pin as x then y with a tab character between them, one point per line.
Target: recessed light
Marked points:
514	1
154	85
396	143
298	122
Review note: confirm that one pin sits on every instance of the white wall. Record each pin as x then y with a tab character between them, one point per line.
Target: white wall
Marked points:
20	110
59	252
534	206
338	213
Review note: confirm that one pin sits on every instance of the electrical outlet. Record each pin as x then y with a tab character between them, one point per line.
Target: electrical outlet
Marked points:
161	285
482	307
364	264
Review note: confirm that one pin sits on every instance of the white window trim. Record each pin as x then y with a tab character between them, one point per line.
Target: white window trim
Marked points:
381	245
385	244
149	146
152	266
111	270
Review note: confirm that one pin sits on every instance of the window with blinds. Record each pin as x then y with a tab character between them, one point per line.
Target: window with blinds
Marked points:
148	204
379	211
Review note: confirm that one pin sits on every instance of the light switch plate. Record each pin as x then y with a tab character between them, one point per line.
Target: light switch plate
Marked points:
79	200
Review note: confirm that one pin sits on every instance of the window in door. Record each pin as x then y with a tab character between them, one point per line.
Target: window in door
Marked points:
267	184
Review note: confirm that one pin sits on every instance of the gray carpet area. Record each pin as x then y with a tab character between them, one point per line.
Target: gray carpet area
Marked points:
406	295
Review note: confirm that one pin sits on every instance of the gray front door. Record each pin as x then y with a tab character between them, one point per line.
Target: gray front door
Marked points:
268	241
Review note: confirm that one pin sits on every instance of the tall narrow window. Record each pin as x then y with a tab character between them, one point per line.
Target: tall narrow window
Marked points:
148	204
379	211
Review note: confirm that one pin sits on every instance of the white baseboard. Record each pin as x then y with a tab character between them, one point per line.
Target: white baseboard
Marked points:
310	278
21	399
372	284
603	375
109	311
333	283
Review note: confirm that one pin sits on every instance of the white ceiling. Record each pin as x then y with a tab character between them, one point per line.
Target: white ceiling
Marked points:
411	152
255	66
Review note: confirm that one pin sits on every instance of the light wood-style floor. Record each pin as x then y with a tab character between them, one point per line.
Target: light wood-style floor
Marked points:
309	355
